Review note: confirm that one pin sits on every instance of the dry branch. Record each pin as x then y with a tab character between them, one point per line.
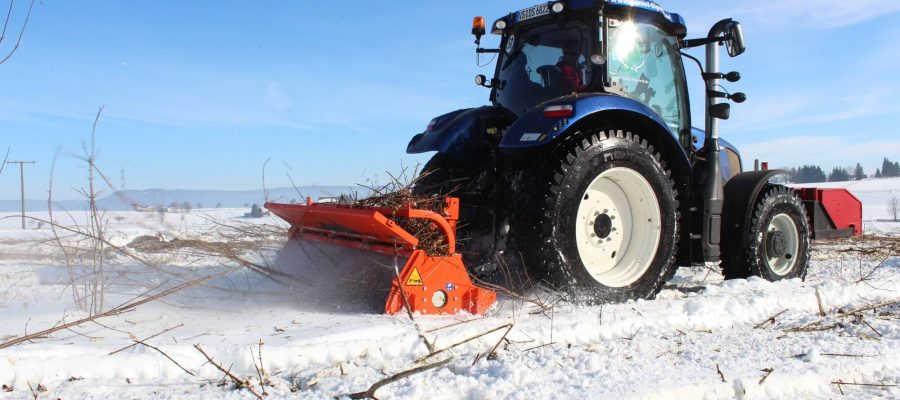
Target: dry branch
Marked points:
819	303
21	32
164	354
823	325
768	372
538	347
453	324
721	375
840	383
397	195
6	158
436	352
146	339
109	313
409	312
241	384
493	353
815	327
849	355
260	369
769	320
370	394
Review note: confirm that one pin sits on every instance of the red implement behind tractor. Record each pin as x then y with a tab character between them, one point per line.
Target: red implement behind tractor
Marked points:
832	213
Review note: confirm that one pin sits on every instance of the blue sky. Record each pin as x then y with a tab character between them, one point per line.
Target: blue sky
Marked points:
198	95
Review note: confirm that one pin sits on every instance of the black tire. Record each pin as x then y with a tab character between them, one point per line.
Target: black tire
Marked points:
443	176
546	220
752	258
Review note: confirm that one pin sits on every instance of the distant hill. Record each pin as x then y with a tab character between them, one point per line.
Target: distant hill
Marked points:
123	200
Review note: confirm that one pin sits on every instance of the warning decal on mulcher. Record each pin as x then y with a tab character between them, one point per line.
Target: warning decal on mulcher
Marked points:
414	278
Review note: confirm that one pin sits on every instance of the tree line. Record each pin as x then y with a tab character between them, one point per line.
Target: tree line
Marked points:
814	173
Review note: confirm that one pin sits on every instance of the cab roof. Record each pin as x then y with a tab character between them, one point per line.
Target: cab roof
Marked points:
649	8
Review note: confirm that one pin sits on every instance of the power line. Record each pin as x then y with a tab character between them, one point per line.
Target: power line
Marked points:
22	180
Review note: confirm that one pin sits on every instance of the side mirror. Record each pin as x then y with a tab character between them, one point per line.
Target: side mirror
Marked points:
735	39
478	29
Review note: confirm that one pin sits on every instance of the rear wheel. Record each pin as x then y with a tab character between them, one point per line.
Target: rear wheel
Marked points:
779	239
599	219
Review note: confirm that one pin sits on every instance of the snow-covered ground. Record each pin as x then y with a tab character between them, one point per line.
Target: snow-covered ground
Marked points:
701	338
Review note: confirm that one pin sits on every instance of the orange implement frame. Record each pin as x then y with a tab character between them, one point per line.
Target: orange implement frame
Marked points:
430	284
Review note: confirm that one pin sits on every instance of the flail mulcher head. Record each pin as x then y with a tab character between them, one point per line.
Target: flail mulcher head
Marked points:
433	281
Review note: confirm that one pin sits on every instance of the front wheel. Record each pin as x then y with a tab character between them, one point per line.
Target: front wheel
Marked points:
599	219
779	239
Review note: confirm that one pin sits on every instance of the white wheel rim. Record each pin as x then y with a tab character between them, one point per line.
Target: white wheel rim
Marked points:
632	220
782	264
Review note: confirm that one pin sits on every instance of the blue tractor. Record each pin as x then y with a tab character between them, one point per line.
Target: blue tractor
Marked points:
586	167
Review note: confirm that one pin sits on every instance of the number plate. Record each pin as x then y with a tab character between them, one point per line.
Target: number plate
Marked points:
534	12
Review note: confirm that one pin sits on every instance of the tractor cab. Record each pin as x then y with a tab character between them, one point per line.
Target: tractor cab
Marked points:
560	49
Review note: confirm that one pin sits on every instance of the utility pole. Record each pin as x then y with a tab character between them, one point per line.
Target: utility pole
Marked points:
22	180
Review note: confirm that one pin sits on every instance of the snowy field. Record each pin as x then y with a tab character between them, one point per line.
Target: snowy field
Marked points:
701	338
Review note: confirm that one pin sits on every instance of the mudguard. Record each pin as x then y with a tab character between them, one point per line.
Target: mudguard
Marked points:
741	193
533	130
461	135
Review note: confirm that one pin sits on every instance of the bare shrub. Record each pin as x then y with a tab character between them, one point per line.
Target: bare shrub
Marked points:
894	207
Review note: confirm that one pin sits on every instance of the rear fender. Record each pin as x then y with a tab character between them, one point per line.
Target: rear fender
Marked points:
533	131
462	135
741	194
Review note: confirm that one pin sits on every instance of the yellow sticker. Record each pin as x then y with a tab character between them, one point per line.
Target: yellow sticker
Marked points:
414	279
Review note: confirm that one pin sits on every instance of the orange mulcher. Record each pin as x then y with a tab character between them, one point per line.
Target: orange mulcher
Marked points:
430	284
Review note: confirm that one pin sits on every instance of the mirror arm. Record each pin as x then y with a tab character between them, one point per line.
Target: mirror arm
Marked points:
691	43
480	50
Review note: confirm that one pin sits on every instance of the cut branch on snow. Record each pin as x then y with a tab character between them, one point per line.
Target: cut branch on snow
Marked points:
109	313
145	339
460	343
770	320
165	355
370	393
768	372
240	383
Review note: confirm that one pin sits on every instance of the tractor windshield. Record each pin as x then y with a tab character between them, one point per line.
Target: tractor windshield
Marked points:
644	64
543	63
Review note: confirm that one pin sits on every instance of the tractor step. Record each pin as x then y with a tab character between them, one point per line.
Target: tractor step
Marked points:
427	284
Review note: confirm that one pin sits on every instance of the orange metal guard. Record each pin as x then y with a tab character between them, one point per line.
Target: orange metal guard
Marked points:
431	284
